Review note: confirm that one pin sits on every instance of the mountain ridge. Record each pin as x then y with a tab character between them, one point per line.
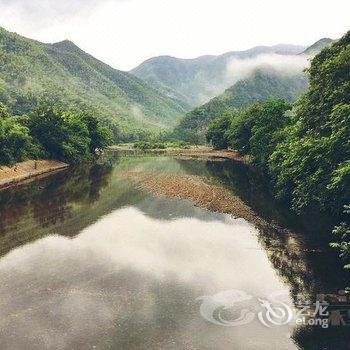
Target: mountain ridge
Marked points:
260	86
318	46
30	69
196	80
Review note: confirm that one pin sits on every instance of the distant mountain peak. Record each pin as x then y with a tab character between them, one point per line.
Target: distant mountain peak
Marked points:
67	44
318	46
73	79
197	80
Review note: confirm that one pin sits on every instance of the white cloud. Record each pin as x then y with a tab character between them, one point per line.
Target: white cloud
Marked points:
123	33
43	11
283	64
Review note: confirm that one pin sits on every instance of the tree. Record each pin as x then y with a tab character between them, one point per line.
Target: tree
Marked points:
342	231
16	144
216	133
311	166
240	130
3	112
256	130
67	136
100	136
191	137
271	118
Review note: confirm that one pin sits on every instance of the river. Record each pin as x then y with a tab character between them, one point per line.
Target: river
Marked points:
89	260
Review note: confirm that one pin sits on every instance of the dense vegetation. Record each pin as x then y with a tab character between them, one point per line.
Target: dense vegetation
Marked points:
318	46
50	133
305	153
195	81
261	86
71	79
216	133
157	144
342	231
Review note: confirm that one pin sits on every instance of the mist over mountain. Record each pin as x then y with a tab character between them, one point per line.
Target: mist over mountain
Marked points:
260	86
258	78
63	73
158	93
195	81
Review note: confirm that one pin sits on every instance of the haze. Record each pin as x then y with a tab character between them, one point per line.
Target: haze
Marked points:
283	64
123	33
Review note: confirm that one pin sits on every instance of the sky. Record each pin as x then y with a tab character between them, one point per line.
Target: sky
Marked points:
123	33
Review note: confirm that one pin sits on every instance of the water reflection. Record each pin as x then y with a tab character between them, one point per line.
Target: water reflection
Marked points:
124	286
323	270
40	208
110	267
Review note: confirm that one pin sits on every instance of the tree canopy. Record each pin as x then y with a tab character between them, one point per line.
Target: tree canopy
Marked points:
50	133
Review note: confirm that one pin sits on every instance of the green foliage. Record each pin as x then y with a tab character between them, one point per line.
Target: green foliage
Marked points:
51	133
177	144
16	144
262	86
329	76
311	165
66	136
191	137
343	239
72	80
217	130
240	129
157	144
256	130
266	130
306	153
196	81
99	136
3	111
61	135
147	145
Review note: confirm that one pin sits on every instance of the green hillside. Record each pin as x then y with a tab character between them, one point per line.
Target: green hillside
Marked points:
318	46
196	81
61	72
262	85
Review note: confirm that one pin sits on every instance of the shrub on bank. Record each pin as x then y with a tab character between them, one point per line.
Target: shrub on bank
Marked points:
51	133
147	145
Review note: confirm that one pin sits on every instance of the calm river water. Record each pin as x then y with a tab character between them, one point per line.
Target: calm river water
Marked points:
88	261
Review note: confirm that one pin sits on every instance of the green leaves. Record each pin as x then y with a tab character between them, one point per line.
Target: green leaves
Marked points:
72	80
306	153
261	86
313	160
66	136
256	130
342	232
52	133
216	131
16	144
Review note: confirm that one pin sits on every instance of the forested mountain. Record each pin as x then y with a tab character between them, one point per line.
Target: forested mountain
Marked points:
265	82
318	46
195	81
261	86
305	151
61	72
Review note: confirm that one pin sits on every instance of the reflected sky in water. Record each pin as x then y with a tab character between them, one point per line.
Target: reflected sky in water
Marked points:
90	262
132	281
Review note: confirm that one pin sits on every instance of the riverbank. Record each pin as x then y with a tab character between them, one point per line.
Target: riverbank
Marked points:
192	152
27	170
